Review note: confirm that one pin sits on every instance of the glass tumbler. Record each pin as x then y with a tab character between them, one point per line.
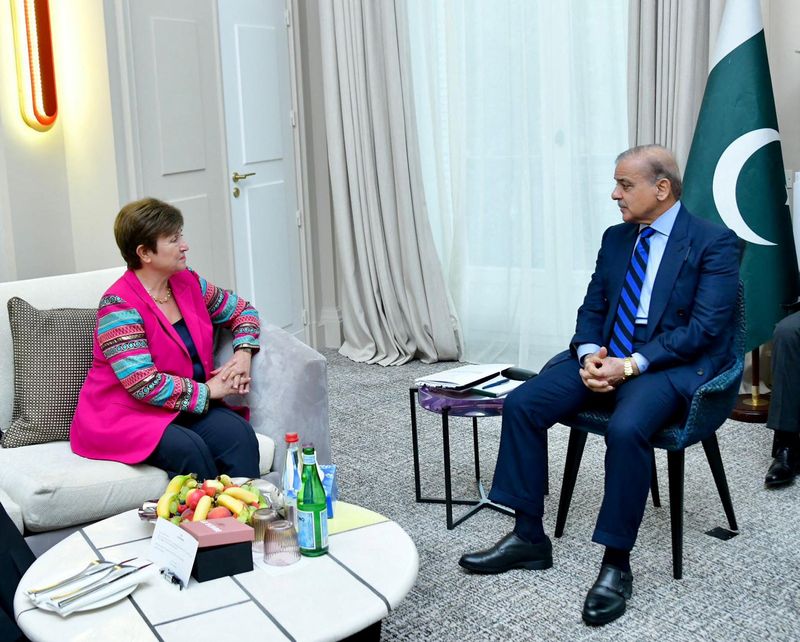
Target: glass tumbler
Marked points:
261	518
280	544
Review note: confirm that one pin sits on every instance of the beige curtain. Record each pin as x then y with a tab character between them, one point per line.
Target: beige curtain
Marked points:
668	52
395	306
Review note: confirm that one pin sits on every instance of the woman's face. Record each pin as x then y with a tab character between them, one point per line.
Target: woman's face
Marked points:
170	254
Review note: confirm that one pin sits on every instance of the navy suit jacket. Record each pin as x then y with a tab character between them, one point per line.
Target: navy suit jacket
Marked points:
691	322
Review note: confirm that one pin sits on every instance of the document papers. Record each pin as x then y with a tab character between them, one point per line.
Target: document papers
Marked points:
498	386
462	377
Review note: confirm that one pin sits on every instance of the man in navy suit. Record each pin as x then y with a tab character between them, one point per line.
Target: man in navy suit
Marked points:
656	323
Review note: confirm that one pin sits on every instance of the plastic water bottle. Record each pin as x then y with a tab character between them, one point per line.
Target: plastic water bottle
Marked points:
312	509
290	479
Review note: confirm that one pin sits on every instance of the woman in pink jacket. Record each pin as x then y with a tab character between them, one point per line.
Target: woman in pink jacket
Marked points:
152	394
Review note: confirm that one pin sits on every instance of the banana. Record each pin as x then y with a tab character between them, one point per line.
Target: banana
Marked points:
240	493
177	482
231	503
202	508
225	479
164	508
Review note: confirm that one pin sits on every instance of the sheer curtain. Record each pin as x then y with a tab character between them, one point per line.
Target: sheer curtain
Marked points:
521	110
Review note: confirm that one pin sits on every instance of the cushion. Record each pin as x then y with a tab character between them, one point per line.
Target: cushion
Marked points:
56	488
52	354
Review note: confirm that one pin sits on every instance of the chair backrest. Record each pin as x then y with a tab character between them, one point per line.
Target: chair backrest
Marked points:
741	325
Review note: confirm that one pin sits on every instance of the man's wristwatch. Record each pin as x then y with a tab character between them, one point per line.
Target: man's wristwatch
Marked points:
627	368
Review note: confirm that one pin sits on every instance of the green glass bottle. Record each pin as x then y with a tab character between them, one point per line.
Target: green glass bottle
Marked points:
312	508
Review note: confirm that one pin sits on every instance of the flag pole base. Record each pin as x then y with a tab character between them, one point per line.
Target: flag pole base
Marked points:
751	410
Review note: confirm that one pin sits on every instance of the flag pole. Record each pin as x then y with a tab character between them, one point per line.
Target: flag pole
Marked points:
752	408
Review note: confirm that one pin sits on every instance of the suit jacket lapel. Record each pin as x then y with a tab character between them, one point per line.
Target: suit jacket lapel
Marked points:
676	252
144	296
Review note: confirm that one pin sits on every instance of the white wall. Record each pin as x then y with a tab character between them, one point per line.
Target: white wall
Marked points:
58	188
85	114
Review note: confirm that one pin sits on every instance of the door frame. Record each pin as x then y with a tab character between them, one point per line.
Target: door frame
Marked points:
126	133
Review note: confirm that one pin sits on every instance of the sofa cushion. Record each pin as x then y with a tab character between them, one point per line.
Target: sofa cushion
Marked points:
56	488
52	354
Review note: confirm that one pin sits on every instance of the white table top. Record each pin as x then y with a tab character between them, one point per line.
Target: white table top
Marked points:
367	572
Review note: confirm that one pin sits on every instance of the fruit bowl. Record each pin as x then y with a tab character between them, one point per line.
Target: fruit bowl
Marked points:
186	498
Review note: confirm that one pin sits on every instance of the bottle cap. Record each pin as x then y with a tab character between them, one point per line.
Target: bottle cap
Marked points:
292	437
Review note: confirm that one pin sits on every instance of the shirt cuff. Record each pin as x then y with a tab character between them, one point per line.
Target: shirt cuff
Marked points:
585	349
642	363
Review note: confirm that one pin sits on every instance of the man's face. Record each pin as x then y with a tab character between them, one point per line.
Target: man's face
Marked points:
639	199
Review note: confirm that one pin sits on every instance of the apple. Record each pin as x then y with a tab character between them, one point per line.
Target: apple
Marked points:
218	513
211	487
186	516
181	508
194	497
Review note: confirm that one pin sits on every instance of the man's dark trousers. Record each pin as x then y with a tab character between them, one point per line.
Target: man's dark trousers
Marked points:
640	407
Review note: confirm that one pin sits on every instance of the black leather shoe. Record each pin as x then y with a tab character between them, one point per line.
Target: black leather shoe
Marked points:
784	468
509	553
605	601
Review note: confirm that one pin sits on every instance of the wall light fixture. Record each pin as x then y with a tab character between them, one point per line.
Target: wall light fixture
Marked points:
36	78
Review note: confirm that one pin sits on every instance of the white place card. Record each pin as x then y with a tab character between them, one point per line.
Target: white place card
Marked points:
174	549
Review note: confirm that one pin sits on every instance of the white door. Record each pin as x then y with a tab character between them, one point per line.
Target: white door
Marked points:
257	94
177	123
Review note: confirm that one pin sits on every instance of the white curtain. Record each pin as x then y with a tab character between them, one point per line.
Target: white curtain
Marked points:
521	110
393	295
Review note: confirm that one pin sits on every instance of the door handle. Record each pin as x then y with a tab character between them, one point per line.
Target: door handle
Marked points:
240	177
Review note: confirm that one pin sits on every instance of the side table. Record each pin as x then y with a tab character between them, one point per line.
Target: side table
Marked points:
448	404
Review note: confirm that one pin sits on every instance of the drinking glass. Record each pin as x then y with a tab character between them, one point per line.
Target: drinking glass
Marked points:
280	544
261	518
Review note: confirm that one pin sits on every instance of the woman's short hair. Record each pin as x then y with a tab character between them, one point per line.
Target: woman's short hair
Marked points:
143	222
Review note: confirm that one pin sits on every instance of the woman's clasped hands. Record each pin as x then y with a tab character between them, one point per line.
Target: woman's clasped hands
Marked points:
232	377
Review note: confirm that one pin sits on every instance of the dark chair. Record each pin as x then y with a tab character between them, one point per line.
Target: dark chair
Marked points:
710	407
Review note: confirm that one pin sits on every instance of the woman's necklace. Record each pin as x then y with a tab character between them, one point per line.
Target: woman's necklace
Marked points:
166	298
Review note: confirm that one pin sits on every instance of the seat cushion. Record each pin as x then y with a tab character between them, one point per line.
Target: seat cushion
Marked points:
52	354
56	488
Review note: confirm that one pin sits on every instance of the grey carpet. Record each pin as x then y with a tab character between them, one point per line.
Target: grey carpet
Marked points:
747	588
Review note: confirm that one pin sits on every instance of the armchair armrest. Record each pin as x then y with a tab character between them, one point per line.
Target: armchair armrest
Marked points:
288	393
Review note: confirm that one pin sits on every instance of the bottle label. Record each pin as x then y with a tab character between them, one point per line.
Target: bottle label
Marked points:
306	533
310	460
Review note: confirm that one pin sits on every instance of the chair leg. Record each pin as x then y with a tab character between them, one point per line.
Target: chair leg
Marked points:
654	483
711	446
675	466
577	440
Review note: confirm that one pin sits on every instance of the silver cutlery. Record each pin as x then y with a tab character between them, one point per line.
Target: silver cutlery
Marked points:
112	577
95	566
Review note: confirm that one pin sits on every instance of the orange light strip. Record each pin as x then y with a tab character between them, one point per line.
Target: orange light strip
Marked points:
35	65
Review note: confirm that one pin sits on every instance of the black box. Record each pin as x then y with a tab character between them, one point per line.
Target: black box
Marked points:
212	562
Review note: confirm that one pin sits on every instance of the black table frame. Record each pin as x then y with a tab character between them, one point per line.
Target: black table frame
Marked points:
482	502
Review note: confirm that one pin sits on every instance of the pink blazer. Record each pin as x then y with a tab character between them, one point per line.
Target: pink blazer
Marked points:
109	422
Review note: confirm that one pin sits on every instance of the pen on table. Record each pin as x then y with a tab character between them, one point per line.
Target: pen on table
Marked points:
496	383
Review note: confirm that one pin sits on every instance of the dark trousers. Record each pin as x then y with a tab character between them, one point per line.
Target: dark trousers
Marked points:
218	442
640	407
15	558
784	405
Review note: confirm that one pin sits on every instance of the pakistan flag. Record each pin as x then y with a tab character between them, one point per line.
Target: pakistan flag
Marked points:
735	175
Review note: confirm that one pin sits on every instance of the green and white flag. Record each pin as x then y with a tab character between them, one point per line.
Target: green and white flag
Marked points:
735	174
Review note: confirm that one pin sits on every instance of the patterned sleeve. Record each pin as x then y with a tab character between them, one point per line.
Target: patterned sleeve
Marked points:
231	311
121	335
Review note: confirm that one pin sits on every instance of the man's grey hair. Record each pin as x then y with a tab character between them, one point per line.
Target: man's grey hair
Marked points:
661	162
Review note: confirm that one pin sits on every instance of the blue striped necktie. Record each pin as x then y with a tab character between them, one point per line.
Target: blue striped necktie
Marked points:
621	343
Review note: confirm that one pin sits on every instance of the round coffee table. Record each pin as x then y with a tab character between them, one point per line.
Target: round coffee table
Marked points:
371	566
